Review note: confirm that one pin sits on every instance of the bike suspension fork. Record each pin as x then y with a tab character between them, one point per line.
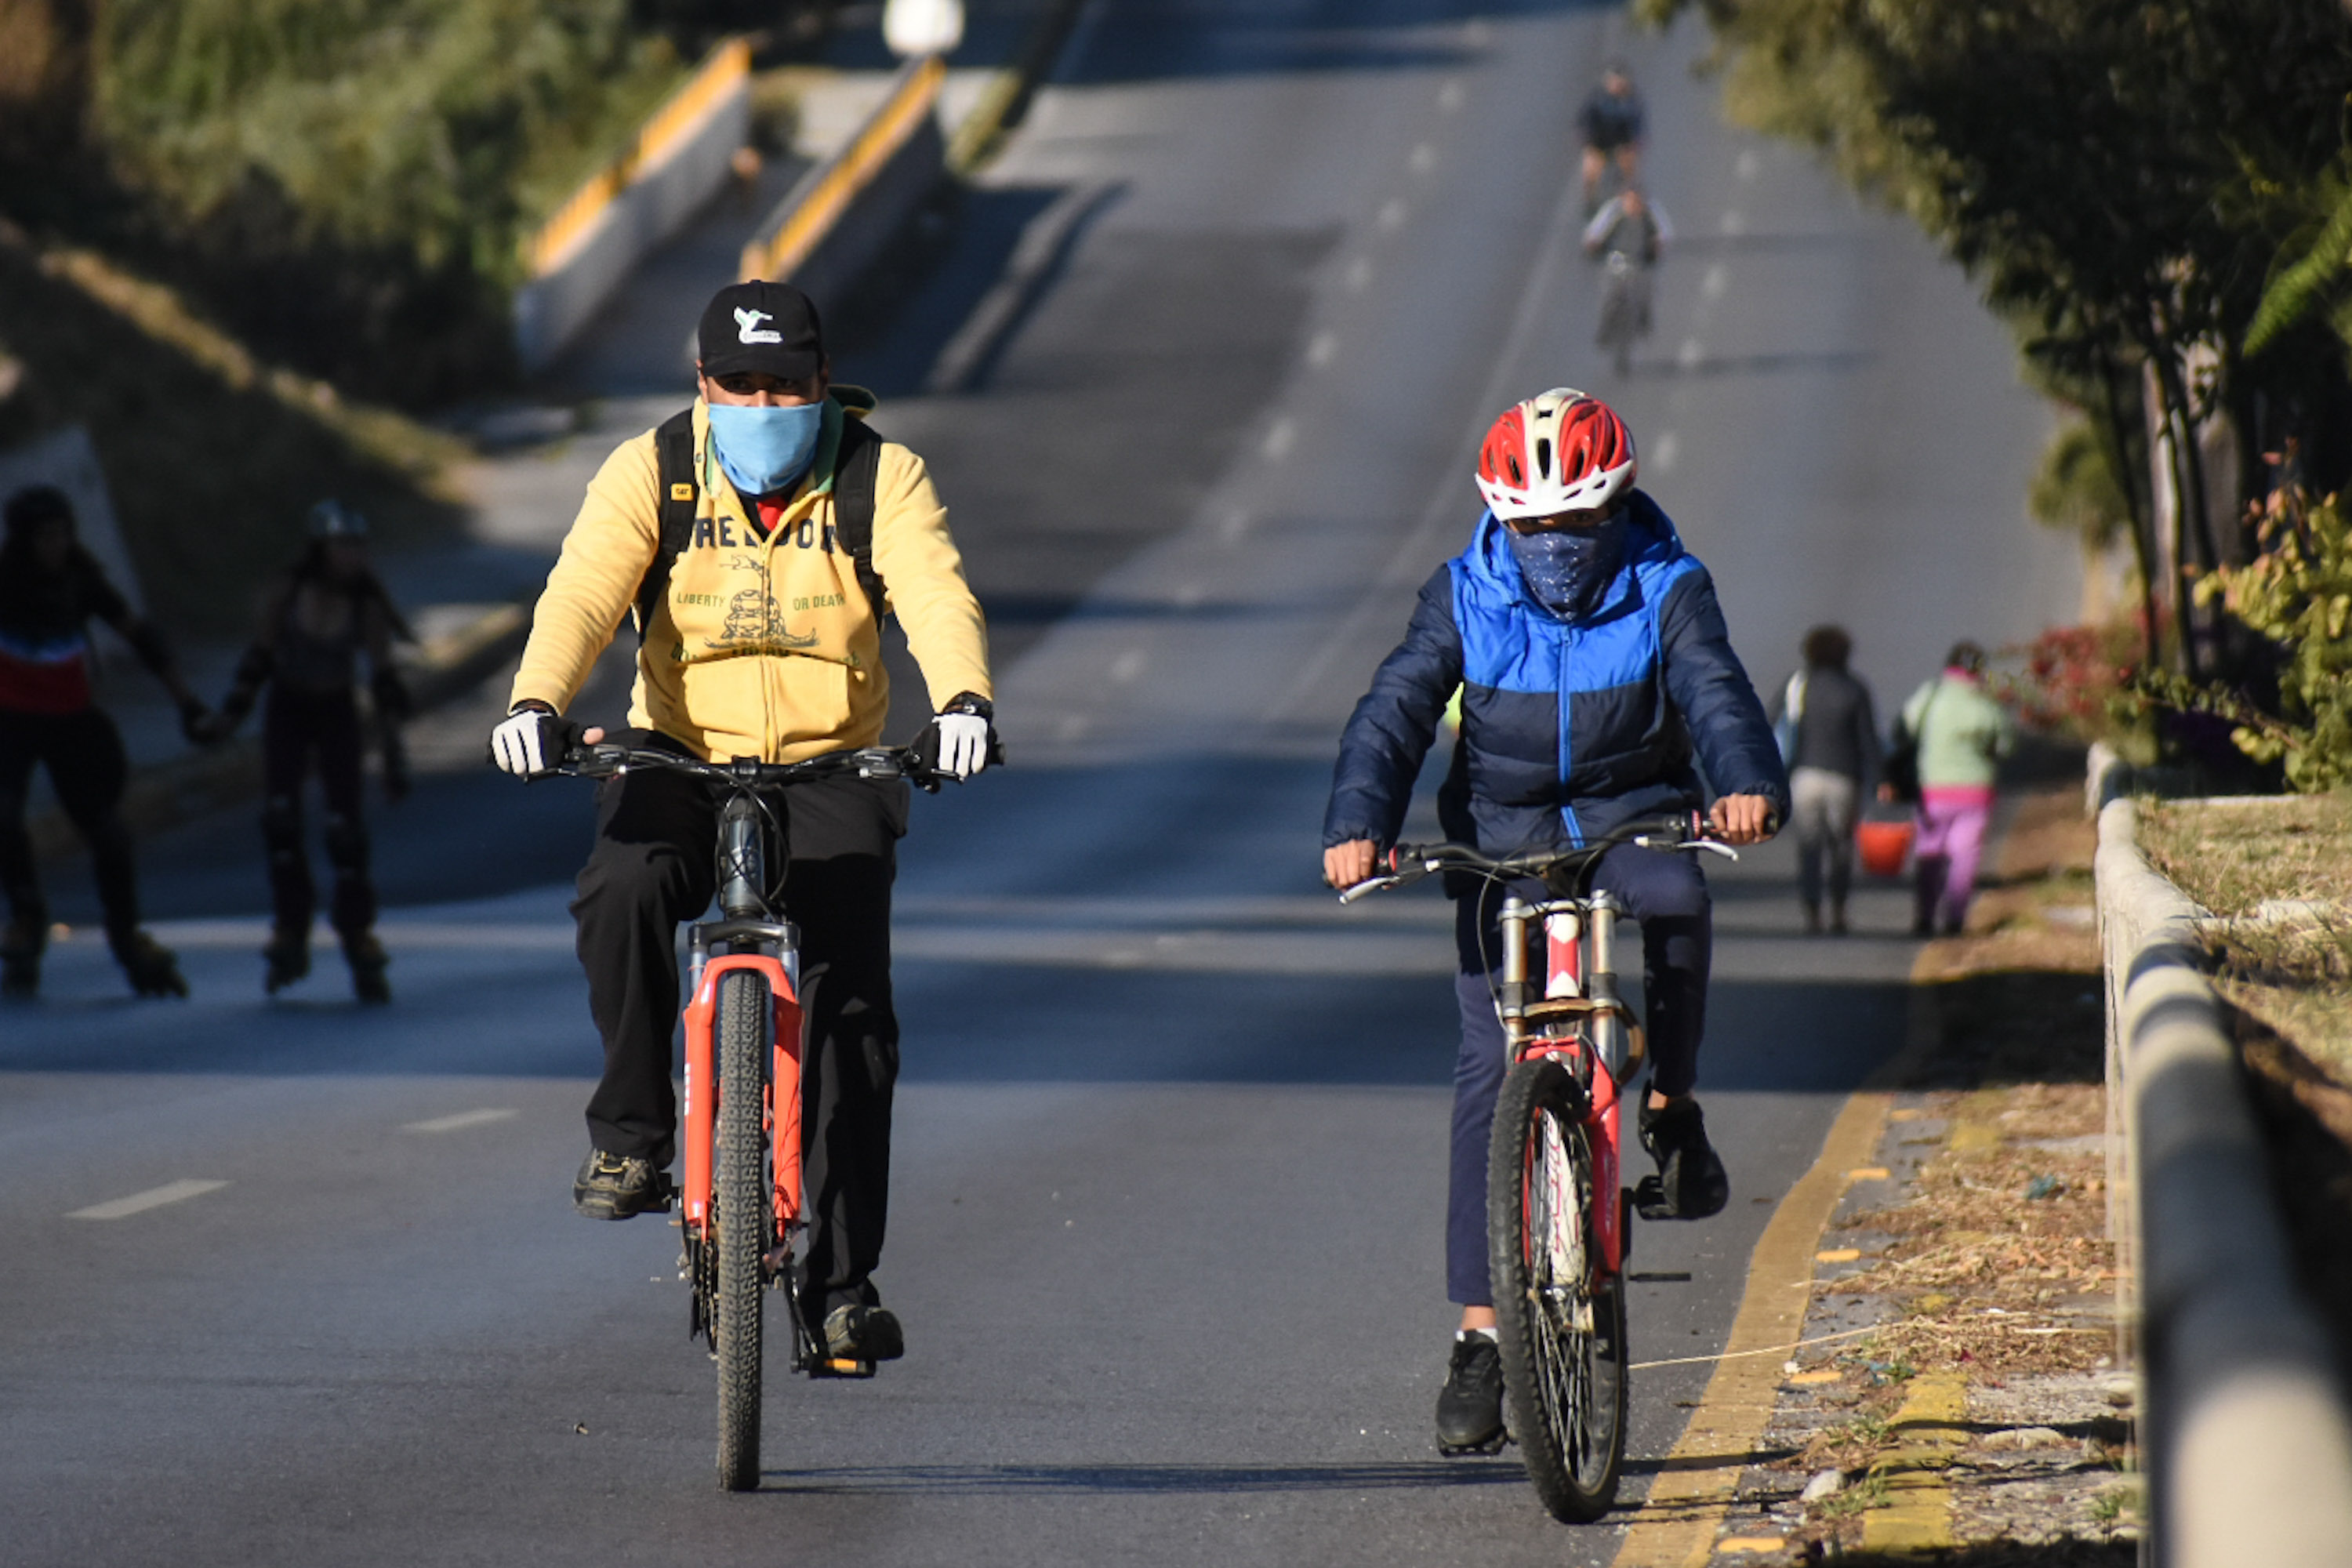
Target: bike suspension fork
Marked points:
1514	923
1600	980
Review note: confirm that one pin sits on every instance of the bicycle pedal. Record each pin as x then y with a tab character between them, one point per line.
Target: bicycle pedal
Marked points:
1650	1200
840	1367
1493	1444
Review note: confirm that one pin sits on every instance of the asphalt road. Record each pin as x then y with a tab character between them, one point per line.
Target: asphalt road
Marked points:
1200	378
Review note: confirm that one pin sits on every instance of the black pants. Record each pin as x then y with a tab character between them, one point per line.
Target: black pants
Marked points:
651	869
83	752
301	728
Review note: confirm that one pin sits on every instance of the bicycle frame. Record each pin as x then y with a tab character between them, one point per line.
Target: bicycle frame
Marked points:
1578	1019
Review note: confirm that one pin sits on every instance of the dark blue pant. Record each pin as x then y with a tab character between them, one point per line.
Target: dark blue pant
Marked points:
1668	896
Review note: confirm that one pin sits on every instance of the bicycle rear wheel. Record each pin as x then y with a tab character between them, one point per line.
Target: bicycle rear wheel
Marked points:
1560	1327
743	1219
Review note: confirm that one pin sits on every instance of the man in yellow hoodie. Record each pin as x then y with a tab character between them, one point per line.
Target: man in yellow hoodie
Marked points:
763	641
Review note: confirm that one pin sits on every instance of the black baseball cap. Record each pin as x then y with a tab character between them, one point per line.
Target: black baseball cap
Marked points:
771	328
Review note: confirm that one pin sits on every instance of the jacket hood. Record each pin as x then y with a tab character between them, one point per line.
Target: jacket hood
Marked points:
1494	571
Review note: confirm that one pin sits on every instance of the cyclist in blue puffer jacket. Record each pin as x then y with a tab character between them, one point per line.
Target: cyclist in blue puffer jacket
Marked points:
1597	684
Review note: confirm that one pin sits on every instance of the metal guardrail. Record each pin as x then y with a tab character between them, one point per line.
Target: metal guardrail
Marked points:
2245	1434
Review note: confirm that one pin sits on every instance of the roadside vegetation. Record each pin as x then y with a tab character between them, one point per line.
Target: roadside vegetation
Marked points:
2159	199
1976	1258
246	242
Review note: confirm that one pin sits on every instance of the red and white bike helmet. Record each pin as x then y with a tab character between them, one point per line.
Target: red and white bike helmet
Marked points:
1558	451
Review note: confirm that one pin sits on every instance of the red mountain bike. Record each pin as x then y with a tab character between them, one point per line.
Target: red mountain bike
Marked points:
1558	1221
741	1199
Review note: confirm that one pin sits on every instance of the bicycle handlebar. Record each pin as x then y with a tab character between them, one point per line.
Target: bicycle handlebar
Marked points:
608	759
1410	862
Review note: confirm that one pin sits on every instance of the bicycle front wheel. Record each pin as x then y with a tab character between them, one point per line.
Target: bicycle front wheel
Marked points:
1560	1325
743	1219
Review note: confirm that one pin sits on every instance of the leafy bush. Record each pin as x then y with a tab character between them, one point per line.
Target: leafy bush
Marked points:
341	184
442	126
2081	682
2298	594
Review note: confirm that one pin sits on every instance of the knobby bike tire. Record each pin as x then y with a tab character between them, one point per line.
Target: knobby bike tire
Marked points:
742	1201
1561	1329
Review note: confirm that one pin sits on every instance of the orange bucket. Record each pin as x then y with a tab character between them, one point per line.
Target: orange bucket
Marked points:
1885	846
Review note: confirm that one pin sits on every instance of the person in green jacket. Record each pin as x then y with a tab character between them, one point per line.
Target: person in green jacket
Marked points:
1962	733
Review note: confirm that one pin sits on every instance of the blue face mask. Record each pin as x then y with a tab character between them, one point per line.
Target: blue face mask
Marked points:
1568	570
765	451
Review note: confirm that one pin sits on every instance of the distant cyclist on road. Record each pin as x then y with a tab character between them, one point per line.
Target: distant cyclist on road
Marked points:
1630	235
1597	682
50	590
1612	120
761	637
328	614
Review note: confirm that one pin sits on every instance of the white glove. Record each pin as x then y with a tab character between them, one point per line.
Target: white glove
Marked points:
528	743
963	744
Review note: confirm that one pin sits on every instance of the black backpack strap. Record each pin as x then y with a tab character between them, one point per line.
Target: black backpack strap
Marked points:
855	464
681	497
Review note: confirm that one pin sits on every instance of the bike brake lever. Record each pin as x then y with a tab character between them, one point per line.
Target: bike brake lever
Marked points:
1377	885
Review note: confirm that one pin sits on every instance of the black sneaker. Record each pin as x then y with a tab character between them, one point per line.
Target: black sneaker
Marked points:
868	1335
615	1186
286	959
1690	1182
1470	1407
368	960
152	969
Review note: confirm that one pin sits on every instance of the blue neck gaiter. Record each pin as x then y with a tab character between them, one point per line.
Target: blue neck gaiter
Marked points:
765	451
1569	570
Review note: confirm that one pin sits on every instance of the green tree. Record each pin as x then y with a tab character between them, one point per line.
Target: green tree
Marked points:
2118	178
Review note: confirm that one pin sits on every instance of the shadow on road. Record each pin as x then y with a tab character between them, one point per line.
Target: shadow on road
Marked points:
967	1480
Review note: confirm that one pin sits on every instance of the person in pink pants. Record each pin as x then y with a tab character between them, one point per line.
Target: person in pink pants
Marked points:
1963	734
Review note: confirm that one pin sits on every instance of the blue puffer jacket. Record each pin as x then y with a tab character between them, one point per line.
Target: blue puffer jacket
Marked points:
1568	727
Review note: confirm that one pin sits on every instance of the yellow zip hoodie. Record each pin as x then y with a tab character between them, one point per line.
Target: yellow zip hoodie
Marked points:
765	648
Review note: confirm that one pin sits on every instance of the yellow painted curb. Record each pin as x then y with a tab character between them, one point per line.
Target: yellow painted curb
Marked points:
1918	1514
1676	1523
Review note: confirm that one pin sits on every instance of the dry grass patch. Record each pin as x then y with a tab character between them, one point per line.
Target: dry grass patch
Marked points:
2276	873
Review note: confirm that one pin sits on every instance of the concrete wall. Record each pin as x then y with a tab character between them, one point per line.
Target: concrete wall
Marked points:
550	310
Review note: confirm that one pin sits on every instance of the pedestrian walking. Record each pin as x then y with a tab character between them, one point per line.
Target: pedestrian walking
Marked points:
50	590
1828	732
1951	736
329	613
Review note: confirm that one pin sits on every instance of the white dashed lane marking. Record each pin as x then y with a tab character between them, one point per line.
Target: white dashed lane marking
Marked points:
1321	347
152	1198
1281	437
459	1121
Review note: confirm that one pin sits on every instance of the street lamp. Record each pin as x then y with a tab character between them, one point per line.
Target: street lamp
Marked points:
914	27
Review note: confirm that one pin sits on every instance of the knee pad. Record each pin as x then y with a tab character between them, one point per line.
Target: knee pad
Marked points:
281	827
347	842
